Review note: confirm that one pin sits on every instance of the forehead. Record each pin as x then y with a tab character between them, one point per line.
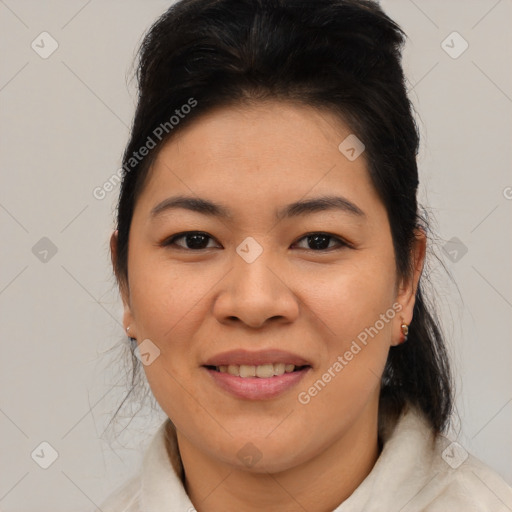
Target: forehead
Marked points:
269	153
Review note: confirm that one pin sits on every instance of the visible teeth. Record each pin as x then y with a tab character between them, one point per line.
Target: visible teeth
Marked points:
234	369
263	371
248	371
279	368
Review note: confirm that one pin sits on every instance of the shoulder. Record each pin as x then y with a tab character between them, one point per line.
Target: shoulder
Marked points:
125	498
461	480
418	471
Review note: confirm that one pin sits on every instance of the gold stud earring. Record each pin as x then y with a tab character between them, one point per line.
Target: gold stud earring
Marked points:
405	331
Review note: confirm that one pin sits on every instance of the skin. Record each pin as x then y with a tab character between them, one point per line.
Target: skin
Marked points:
194	304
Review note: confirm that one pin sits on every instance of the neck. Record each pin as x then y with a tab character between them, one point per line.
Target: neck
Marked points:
319	484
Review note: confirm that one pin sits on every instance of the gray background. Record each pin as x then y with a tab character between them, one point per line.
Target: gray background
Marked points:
64	125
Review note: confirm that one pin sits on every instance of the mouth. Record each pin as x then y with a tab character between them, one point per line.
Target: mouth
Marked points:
260	375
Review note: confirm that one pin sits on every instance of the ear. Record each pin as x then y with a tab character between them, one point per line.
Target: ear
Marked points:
128	319
406	295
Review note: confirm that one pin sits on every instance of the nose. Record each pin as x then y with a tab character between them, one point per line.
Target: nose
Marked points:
256	293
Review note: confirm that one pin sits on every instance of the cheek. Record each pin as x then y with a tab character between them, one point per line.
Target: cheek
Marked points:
356	305
358	311
167	297
166	300
353	296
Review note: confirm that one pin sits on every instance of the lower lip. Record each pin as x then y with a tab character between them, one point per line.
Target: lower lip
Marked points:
256	388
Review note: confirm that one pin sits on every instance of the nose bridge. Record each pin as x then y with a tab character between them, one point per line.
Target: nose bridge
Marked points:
252	271
255	291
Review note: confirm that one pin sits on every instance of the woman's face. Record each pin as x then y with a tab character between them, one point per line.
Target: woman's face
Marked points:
264	285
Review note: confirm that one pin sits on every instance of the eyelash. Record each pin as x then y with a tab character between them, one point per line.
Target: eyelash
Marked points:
171	240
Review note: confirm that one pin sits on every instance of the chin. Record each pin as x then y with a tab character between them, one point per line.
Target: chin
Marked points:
260	454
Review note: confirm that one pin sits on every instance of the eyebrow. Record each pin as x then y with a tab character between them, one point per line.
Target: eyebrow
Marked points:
302	207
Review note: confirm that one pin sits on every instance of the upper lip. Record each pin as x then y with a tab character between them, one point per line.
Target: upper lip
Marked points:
255	358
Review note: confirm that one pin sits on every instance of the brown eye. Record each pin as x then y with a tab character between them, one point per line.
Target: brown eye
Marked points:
320	241
194	240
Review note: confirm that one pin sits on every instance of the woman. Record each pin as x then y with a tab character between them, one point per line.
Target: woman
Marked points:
269	254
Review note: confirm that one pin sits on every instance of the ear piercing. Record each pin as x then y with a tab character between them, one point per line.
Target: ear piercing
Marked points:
405	331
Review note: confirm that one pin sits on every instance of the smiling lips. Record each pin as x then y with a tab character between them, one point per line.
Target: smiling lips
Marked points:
256	375
255	358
